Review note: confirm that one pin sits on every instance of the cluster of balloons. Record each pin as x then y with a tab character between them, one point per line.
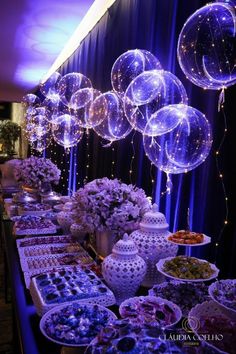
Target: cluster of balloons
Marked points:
144	97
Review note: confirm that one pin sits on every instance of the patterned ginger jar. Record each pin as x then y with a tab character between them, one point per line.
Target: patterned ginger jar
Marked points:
152	243
124	269
66	217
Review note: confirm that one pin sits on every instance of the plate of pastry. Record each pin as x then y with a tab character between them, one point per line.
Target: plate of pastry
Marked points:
188	238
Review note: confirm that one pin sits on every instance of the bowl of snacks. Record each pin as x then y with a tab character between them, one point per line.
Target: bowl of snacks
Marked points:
151	309
188	238
75	324
187	268
223	292
184	294
124	336
216	329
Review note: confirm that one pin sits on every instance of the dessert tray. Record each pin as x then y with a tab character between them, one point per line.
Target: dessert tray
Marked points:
44	240
184	294
207	318
33	225
188	238
223	292
31	263
56	248
37	209
66	285
188	269
146	309
75	324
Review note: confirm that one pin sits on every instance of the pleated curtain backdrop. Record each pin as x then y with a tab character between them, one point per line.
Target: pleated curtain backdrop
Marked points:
154	25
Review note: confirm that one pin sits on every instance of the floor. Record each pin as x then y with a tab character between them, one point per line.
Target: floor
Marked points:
5	314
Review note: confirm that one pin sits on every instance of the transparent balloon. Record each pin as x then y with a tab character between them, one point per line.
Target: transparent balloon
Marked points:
30	99
54	108
87	115
50	86
69	84
81	98
115	126
206	46
42	143
66	131
185	146
129	65
149	92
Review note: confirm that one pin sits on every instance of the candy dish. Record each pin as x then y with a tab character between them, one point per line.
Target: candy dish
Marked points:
123	336
223	292
207	320
67	285
151	309
44	240
188	238
189	269
184	294
75	324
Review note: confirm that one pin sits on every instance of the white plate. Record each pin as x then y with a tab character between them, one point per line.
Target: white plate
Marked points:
205	309
158	300
161	262
57	309
206	240
227	310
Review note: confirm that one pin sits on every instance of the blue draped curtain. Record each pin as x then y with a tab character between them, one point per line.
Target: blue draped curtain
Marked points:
154	25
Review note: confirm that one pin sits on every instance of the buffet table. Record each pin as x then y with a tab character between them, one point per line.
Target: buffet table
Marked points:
26	321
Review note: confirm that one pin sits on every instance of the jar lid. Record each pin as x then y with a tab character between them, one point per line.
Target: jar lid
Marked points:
125	247
154	220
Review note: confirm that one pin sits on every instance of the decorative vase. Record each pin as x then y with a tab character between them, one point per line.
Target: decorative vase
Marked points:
152	243
75	231
105	240
124	270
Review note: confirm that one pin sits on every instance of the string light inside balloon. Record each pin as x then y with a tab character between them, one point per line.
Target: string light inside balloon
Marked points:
206	46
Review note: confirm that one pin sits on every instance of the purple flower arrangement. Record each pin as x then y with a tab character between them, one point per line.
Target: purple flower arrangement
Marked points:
105	204
35	171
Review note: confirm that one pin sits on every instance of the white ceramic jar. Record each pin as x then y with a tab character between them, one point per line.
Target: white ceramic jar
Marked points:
124	269
66	217
151	240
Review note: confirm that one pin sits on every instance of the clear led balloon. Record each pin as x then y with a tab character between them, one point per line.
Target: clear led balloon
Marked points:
206	46
66	131
149	92
114	125
54	108
36	125
185	146
129	65
50	86
86	113
69	84
30	99
42	143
